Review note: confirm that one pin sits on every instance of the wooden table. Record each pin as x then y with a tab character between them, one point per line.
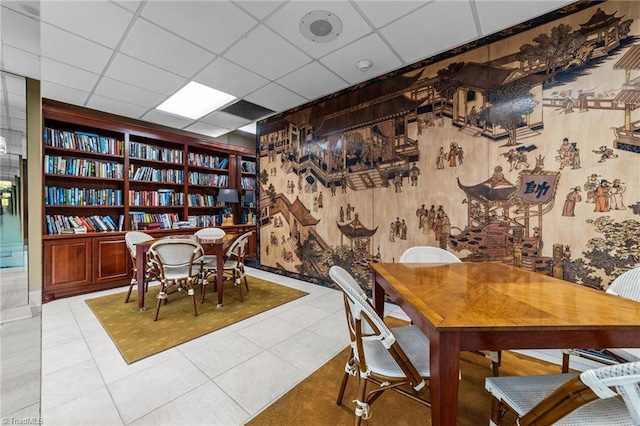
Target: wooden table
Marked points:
217	247
493	306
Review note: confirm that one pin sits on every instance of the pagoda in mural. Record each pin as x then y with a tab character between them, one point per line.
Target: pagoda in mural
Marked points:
359	237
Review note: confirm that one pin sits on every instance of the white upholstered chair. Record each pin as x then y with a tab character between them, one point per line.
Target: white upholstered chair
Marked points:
430	254
392	359
209	264
132	238
176	263
605	396
234	262
626	285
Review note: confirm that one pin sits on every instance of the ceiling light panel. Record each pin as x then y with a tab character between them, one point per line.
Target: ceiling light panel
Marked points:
195	100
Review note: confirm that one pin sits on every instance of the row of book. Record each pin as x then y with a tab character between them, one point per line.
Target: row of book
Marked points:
150	174
82	167
248	183
57	196
203	200
148	152
209	161
60	224
203	221
208	179
156	198
83	141
248	167
138	219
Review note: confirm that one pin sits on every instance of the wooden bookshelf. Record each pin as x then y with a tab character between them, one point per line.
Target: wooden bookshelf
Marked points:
105	175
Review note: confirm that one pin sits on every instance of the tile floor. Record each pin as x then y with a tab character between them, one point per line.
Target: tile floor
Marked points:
224	378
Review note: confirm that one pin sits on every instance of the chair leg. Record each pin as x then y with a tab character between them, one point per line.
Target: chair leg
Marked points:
162	295
348	369
362	408
565	362
133	281
204	281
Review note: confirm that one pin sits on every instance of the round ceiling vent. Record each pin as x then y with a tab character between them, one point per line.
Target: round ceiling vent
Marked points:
320	26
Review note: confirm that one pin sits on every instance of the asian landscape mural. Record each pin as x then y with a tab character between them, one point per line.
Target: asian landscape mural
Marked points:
521	149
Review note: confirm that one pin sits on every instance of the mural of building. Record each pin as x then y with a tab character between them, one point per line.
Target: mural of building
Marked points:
463	138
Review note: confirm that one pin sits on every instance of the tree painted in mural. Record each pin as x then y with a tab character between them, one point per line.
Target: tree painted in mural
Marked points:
508	105
447	86
554	50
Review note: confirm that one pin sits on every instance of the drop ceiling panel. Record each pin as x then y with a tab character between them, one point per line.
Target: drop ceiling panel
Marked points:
312	81
21	63
435	28
66	75
207	129
127	93
286	22
131	5
63	93
129	70
213	25
275	97
102	103
66	47
495	16
267	54
100	21
372	47
150	43
381	13
230	78
160	117
260	8
20	31
227	121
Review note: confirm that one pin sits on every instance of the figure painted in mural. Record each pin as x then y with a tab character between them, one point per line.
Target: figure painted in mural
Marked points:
582	100
414	172
570	202
431	216
512	158
453	154
605	153
590	187
398	227
568	103
601	196
403	230
498	177
392	232
522	159
320	201
350	209
472	117
315	204
397	182
343	184
618	189
440	159
575	161
420	212
341	214
299	183
460	155
565	154
332	189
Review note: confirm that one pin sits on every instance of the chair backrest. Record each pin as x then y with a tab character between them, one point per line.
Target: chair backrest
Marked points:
213	233
132	238
238	248
176	253
366	326
427	254
627	285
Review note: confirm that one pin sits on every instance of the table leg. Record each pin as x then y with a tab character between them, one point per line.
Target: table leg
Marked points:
378	296
219	275
140	266
445	377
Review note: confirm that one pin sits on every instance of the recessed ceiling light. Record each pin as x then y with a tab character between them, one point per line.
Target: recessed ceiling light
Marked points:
195	100
249	128
364	65
320	26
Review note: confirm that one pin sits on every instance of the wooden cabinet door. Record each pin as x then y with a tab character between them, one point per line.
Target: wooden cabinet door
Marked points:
67	265
111	260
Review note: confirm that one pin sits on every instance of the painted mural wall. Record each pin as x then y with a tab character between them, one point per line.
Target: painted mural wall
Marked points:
522	149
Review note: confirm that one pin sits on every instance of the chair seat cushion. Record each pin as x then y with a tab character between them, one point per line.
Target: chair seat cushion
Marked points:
523	393
178	272
414	344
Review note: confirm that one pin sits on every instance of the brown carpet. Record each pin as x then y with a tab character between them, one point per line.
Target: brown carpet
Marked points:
137	336
313	401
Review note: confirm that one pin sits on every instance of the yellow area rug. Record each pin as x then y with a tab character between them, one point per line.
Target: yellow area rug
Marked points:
137	336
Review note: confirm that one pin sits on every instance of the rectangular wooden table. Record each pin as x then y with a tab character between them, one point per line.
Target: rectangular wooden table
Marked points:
493	306
217	247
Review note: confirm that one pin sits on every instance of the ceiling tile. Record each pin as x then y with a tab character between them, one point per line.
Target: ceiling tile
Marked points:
114	106
222	119
498	15
380	13
435	28
150	43
275	97
259	9
160	117
66	47
21	63
207	129
127	69
63	93
213	25
266	54
20	31
127	93
66	75
343	61
286	22
98	20
312	81
131	5
229	77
